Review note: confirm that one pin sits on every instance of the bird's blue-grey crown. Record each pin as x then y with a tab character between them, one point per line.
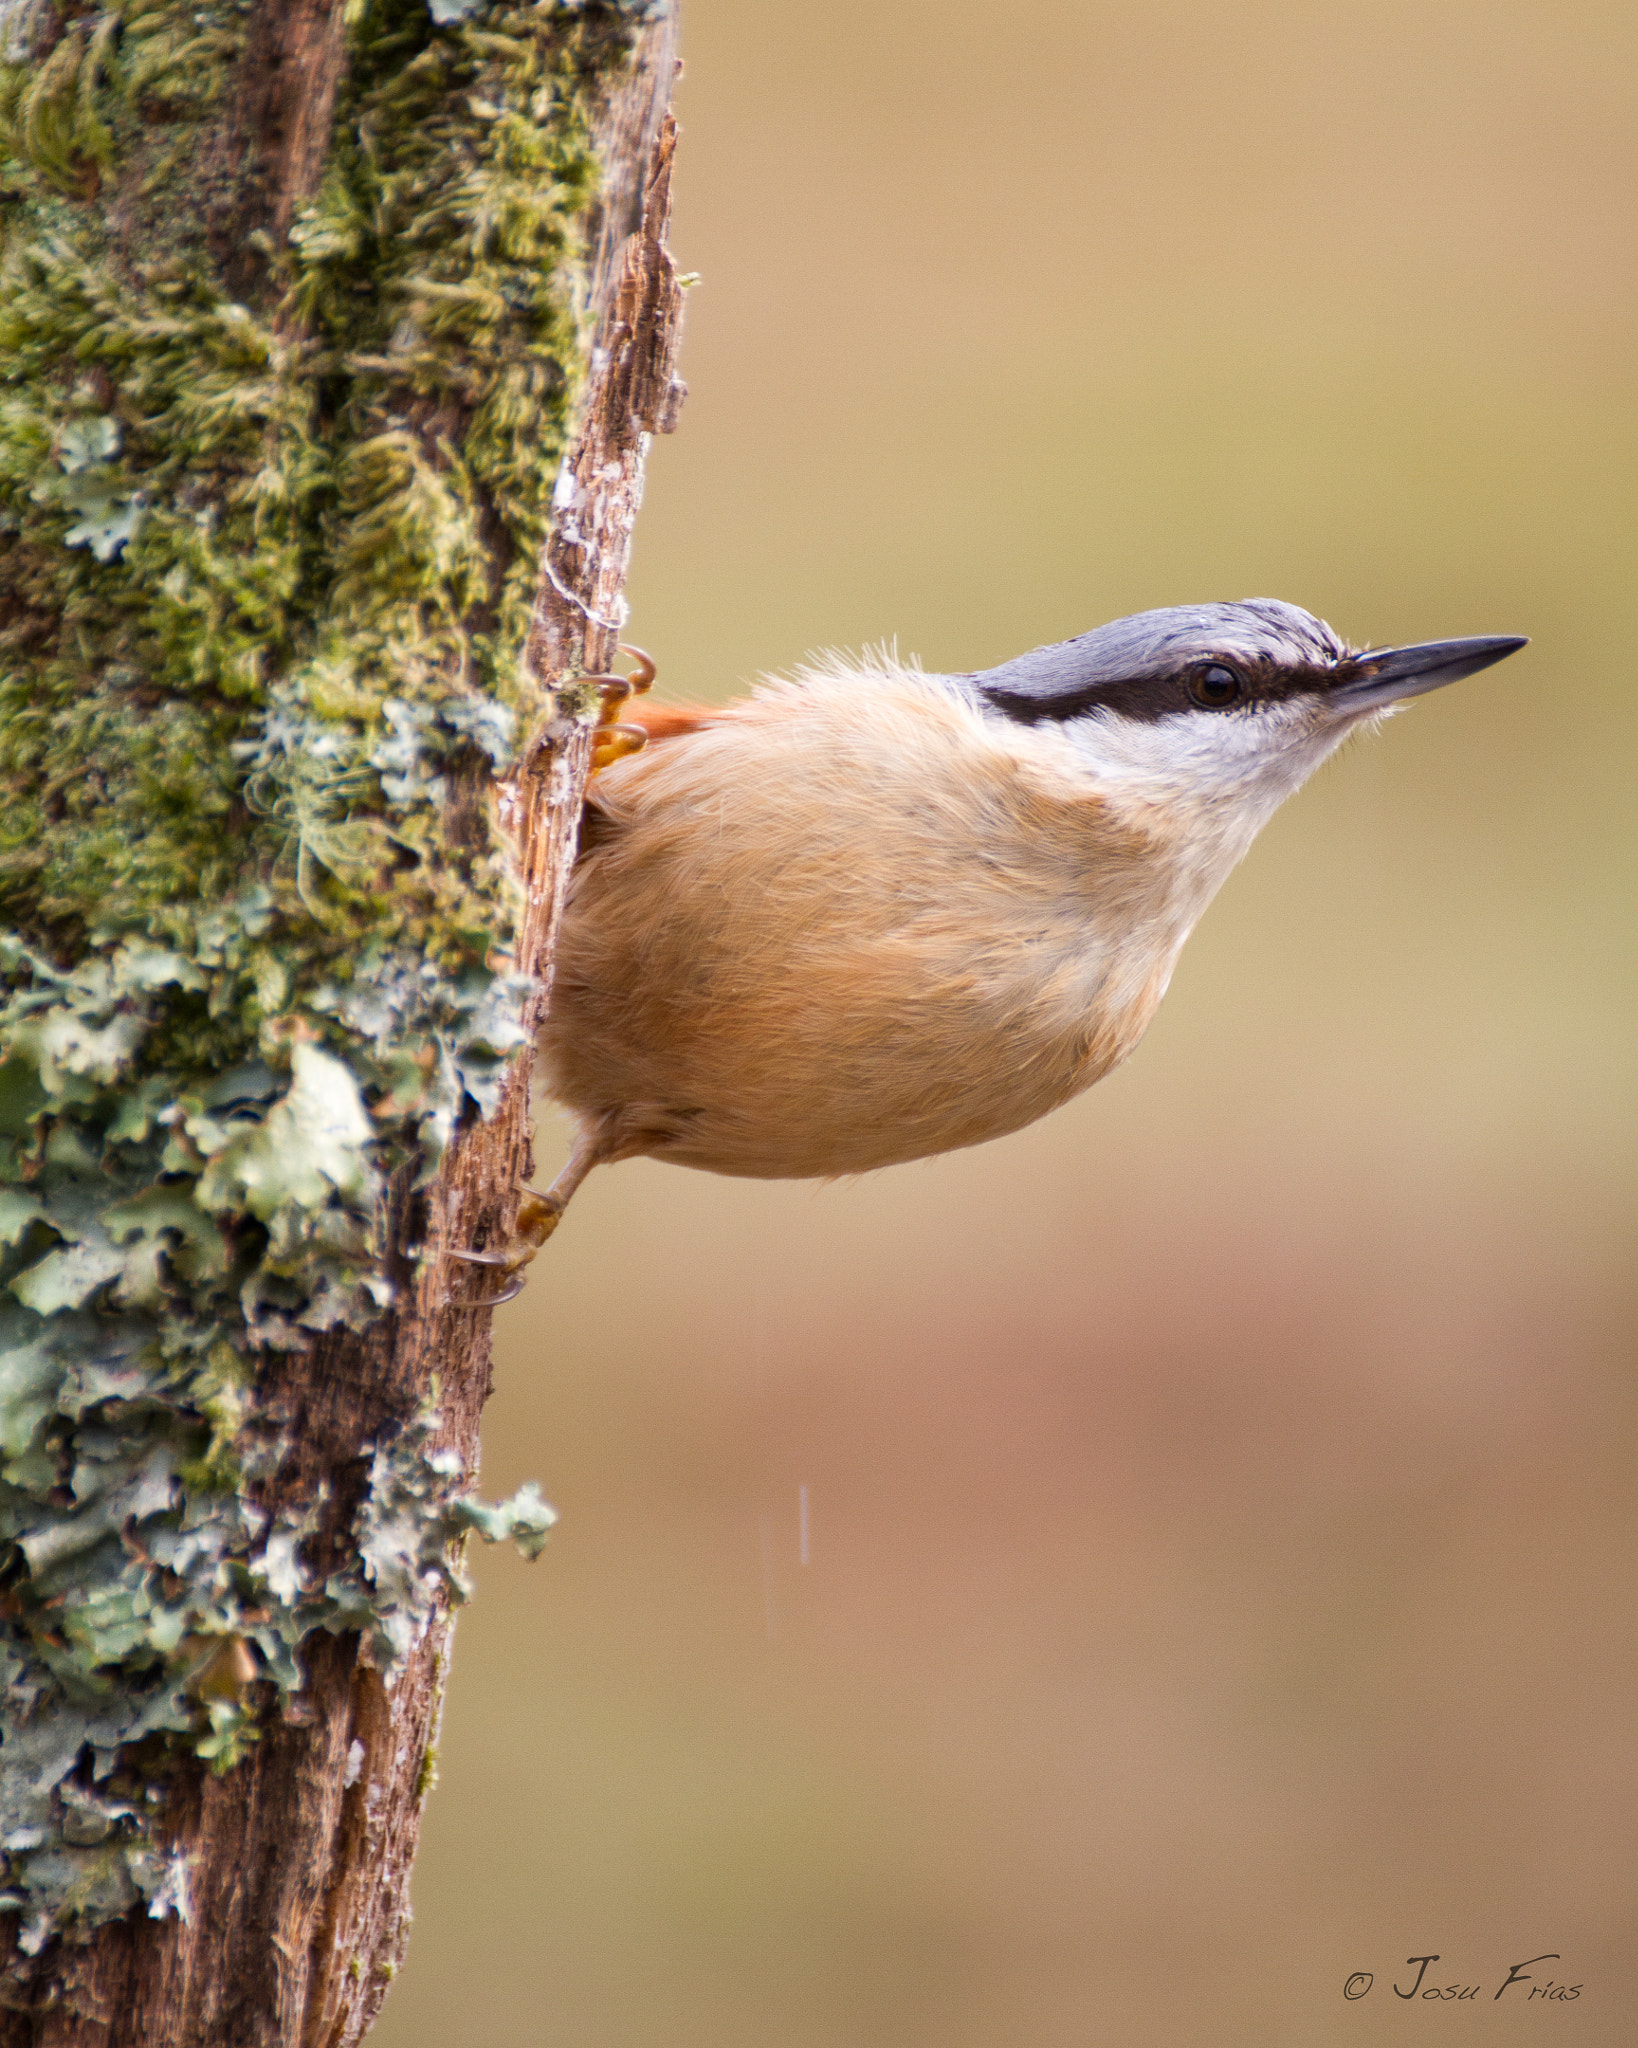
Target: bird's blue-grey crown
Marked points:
1142	666
1222	657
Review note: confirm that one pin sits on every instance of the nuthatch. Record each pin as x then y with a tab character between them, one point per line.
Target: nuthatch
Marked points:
869	914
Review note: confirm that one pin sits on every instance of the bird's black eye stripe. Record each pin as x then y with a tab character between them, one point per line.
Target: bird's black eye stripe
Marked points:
1211	686
1024	709
1216	686
1137	697
1050	685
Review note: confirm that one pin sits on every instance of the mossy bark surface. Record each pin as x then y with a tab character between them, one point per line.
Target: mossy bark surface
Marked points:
296	301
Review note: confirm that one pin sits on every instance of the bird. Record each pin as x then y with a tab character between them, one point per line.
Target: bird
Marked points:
872	913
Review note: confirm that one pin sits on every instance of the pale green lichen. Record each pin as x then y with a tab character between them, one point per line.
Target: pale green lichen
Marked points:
145	1581
265	572
414	1511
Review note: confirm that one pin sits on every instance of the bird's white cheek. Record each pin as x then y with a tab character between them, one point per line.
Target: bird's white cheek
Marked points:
1194	757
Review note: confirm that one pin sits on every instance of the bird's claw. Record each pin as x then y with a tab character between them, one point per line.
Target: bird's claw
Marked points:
506	1294
611	740
538	1216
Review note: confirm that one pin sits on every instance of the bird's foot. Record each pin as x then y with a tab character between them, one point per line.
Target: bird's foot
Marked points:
611	740
538	1216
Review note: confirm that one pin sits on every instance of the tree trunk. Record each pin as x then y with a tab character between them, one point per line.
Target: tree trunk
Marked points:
293	321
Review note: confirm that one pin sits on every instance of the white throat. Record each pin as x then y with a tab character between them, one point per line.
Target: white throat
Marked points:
1213	778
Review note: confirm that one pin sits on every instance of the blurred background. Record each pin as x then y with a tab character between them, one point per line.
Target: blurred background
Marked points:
1216	1570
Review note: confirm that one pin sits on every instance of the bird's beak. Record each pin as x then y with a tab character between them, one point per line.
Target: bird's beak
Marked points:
1387	675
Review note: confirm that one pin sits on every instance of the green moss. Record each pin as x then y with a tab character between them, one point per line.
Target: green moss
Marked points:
265	574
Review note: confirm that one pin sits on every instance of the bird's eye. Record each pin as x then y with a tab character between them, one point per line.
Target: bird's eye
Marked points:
1215	687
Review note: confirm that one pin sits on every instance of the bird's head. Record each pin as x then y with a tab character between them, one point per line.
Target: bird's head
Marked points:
1229	707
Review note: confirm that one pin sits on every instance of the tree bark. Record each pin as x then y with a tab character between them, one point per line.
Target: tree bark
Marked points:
298	1857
